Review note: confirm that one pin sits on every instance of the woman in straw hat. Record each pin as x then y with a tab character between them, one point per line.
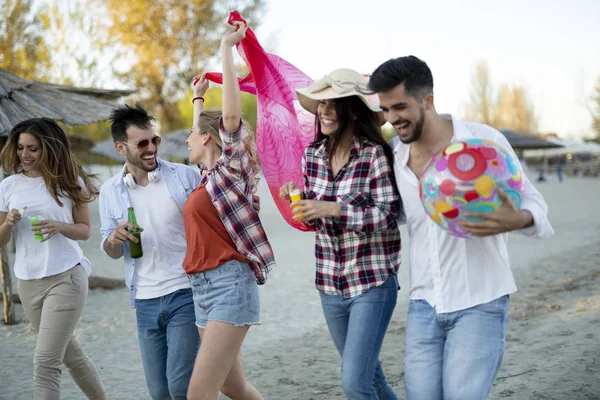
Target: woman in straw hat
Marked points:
351	201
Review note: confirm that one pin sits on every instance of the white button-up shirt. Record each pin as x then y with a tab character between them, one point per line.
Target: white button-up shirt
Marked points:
452	273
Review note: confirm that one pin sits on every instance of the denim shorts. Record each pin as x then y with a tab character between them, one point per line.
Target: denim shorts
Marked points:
228	293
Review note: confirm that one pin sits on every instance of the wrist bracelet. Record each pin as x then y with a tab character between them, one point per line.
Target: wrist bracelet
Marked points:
196	98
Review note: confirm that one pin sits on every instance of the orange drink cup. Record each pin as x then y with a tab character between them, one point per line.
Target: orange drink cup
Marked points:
295	195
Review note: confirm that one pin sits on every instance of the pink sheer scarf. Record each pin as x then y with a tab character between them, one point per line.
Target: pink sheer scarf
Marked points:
283	127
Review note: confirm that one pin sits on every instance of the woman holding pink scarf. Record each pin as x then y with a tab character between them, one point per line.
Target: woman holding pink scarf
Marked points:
228	251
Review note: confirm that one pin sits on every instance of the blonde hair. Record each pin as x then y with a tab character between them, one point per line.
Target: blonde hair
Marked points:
208	121
60	168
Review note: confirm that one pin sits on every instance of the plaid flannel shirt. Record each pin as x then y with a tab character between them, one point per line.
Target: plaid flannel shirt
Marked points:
360	249
230	185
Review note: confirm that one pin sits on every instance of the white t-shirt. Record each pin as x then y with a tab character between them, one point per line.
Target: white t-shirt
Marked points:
159	271
36	260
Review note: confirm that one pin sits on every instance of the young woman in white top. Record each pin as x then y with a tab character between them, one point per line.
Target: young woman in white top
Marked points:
44	205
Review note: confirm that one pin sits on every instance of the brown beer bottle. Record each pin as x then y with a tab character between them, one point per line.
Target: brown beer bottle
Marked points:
135	249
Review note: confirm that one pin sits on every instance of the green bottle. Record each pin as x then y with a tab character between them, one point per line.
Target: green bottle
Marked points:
135	249
37	235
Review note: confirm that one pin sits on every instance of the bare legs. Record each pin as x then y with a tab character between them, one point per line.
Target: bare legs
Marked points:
219	364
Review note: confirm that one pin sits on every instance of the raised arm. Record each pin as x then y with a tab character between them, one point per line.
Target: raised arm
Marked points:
231	128
232	98
199	88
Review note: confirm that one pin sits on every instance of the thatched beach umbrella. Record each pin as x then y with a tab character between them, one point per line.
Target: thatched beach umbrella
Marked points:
22	99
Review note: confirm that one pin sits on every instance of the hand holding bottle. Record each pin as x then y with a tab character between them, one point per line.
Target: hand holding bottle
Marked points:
135	246
121	234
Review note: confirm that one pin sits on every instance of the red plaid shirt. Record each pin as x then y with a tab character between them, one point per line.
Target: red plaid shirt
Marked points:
361	249
230	185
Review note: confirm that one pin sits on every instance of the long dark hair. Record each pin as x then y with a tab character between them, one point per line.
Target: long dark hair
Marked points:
60	168
352	110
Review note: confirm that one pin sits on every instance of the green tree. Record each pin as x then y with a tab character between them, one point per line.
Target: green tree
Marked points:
167	43
23	50
97	131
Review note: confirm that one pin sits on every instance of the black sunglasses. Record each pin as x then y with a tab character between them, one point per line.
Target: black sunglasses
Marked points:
142	144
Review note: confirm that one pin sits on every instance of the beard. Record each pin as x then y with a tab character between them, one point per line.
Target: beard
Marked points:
136	160
418	130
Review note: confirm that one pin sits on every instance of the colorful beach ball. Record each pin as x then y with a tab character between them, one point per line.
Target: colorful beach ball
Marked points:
465	177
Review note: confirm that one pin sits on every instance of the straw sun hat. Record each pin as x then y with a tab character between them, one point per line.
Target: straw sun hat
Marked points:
343	82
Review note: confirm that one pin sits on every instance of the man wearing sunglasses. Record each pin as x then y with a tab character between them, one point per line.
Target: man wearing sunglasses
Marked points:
159	288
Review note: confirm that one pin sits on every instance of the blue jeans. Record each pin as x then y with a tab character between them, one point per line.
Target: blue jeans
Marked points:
169	343
453	355
357	326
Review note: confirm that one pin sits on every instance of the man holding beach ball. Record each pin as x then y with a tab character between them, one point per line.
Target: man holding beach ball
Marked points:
462	189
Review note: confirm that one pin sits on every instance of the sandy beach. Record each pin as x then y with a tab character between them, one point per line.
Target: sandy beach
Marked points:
553	340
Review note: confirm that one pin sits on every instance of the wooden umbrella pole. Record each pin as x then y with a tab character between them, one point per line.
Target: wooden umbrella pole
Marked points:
7	297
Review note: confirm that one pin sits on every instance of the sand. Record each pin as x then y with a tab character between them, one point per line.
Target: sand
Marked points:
553	339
